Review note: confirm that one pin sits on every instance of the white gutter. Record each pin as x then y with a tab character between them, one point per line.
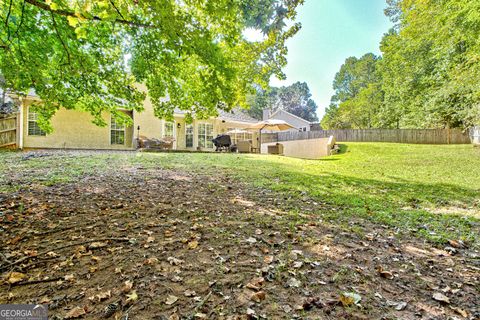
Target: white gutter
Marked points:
20	125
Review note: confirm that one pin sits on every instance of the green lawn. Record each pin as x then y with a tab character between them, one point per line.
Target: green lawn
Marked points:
433	191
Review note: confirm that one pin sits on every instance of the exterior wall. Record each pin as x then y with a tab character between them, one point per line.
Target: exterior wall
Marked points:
291	119
305	149
150	126
75	130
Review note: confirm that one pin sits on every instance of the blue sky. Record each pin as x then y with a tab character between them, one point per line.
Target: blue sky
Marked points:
332	30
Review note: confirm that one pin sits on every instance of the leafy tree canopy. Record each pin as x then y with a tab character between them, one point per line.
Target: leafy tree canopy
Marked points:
428	76
89	55
295	99
358	95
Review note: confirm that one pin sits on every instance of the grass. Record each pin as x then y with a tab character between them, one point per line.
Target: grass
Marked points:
433	191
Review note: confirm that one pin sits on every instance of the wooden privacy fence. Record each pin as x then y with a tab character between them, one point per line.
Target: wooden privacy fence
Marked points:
8	130
420	136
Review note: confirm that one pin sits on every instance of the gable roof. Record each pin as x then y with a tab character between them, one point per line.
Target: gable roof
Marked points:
290	114
235	115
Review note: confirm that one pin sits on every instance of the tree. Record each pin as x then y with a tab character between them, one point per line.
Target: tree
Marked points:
358	95
73	53
431	64
295	99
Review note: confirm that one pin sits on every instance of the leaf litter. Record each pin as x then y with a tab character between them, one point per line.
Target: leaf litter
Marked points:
149	243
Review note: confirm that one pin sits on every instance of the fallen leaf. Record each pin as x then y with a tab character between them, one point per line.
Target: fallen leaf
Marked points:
101	296
69	277
250	313
350	298
171	299
132	297
441	298
150	261
75	313
104	295
384	273
150	239
192	244
14	277
251	240
256	284
293	283
258	296
461	312
200	315
174	261
52	254
457	244
401	306
97	245
127	286
189	293
268	259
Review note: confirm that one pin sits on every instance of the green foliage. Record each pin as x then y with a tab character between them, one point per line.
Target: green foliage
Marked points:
429	74
358	95
295	99
432	64
74	53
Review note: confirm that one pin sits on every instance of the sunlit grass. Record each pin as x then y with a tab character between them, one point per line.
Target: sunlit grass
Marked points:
431	190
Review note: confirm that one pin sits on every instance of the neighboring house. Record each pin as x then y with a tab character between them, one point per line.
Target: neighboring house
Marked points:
315	126
74	129
298	123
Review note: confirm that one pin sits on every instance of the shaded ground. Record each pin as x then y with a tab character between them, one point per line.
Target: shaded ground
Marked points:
173	244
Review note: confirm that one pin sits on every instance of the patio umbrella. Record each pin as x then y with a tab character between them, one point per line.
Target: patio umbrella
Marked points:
272	125
234	131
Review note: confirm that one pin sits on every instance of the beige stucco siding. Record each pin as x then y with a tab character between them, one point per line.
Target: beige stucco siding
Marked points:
75	130
150	126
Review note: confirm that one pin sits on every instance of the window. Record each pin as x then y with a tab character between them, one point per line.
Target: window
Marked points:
117	132
240	136
168	130
205	135
302	129
189	136
33	128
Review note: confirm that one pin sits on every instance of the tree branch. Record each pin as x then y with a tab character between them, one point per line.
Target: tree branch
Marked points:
59	37
21	20
67	13
8	14
8	17
116	9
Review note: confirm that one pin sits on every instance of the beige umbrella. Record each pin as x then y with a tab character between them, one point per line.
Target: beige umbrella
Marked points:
236	131
272	125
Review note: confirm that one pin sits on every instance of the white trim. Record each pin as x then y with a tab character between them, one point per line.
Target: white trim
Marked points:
124	133
200	122
20	127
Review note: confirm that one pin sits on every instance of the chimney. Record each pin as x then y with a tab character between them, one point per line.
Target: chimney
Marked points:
266	114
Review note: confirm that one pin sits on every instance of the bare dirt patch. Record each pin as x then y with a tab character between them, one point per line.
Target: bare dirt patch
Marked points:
140	243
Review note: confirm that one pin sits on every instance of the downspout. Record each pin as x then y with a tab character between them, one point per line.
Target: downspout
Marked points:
20	124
